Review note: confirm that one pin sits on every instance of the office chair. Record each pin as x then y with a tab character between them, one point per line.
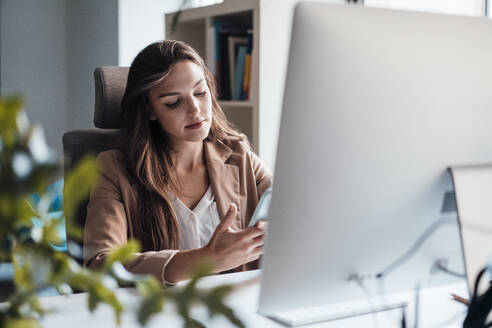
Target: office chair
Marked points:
110	84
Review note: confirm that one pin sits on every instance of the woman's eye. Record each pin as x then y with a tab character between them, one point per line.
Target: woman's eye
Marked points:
174	104
201	93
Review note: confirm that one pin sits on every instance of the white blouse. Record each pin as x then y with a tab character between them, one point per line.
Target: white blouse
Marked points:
197	225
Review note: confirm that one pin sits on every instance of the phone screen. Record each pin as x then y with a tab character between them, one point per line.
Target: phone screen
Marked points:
261	210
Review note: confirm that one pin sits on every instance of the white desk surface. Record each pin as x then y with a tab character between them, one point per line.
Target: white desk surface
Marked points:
436	309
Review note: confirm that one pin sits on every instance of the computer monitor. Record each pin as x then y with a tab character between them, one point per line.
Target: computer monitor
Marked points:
378	104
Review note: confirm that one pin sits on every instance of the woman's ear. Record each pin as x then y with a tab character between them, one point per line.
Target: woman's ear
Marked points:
153	117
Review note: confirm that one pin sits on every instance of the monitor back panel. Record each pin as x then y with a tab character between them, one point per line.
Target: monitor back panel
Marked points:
378	104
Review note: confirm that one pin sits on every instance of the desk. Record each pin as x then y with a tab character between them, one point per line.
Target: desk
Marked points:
436	308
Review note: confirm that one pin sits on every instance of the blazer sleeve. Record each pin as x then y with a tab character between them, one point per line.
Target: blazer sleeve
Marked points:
263	175
106	225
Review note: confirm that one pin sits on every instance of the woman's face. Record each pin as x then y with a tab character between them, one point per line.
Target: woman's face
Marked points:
182	103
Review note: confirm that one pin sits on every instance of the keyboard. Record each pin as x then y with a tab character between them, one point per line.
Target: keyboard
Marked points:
337	310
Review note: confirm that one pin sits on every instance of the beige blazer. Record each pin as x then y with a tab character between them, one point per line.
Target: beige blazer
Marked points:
236	175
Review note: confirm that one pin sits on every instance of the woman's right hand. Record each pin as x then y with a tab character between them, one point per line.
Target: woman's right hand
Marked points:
229	248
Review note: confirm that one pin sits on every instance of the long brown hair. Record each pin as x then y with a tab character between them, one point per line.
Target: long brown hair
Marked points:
149	148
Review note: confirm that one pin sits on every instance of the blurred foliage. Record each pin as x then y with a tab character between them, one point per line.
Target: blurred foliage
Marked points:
27	166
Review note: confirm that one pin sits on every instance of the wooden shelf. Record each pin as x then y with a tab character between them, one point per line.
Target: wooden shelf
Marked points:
195	26
235	103
230	7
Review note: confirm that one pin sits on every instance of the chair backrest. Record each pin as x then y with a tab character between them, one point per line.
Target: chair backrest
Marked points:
110	84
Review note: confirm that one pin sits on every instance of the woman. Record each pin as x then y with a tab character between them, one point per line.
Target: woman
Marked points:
187	183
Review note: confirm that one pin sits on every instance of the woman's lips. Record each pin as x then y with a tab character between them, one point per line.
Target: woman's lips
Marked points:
195	125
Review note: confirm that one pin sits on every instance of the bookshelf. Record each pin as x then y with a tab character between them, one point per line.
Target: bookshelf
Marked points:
198	27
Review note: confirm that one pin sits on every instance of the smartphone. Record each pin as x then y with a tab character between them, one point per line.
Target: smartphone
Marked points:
261	210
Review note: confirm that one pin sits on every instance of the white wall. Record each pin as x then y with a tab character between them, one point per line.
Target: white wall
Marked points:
139	25
458	7
33	61
92	41
49	50
275	25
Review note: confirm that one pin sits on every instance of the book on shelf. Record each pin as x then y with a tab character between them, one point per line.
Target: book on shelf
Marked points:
239	73
210	54
229	46
234	42
224	74
247	77
247	67
215	45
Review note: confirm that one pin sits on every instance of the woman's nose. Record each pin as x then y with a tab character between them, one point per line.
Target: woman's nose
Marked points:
194	106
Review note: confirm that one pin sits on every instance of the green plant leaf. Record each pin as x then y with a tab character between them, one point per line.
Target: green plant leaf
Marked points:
22	323
22	273
203	269
193	323
18	211
229	314
216	306
221	292
51	234
122	254
65	269
84	279
93	301
77	186
36	306
183	310
149	306
108	296
9	109
148	286
37	265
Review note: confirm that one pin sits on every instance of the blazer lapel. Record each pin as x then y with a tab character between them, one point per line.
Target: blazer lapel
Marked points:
224	178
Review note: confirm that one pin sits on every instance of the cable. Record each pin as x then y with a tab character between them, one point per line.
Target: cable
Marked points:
370	298
441	265
415	247
360	282
417	305
381	293
409	253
